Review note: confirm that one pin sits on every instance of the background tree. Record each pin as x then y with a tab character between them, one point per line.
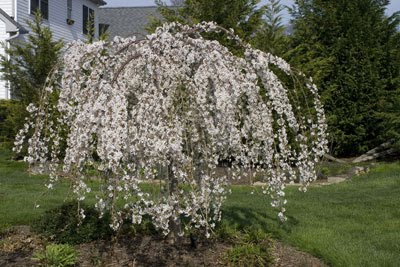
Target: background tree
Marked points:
351	48
26	69
245	17
271	35
30	62
177	2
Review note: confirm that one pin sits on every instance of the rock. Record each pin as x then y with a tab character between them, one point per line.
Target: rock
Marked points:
336	179
357	171
259	184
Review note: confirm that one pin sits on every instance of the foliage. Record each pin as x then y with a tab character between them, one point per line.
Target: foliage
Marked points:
227	232
352	50
245	17
252	246
30	62
63	224
11	119
91	31
255	249
169	109
271	34
57	255
249	255
26	65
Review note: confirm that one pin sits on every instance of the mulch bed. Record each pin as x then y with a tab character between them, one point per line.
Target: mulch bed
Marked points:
18	245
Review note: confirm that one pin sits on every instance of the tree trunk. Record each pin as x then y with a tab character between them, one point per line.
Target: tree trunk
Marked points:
175	225
332	158
379	151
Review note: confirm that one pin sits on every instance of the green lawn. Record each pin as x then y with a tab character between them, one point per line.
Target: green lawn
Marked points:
356	223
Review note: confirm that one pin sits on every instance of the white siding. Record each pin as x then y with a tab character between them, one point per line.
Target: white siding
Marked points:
3	36
58	16
7	6
57	23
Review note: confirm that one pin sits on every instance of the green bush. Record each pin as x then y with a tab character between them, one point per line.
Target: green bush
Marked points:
57	255
63	224
12	116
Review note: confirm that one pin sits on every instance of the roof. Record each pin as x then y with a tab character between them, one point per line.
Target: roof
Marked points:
99	2
11	24
127	21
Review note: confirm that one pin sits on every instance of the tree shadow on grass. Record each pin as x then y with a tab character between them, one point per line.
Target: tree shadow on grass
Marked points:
243	218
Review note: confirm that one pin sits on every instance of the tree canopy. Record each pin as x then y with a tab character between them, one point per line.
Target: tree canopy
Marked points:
166	111
352	50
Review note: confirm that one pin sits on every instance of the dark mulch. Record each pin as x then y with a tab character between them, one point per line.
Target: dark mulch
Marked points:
18	245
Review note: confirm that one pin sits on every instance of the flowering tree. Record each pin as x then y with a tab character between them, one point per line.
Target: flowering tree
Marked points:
166	111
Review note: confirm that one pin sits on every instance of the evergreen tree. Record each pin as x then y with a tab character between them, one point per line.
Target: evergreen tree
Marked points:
30	62
352	50
26	69
243	16
271	36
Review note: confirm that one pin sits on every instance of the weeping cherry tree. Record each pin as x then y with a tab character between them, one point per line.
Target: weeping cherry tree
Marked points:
166	111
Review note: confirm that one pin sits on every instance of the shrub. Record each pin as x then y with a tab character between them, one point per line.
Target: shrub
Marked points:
57	255
63	224
12	114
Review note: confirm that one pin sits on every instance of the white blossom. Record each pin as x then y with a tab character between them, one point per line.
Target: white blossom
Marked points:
167	111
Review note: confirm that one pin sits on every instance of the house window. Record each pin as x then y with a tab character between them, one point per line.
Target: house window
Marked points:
103	28
69	9
42	6
88	20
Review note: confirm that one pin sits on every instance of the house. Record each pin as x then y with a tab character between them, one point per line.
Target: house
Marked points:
67	20
126	21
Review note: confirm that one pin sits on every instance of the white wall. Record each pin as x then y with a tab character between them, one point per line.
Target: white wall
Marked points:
58	16
7	6
57	23
3	37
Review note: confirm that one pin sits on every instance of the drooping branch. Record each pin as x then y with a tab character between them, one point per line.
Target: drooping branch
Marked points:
178	103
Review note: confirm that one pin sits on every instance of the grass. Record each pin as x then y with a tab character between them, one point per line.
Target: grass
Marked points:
355	223
19	191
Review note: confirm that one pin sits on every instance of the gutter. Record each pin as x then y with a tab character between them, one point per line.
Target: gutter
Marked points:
8	43
15	36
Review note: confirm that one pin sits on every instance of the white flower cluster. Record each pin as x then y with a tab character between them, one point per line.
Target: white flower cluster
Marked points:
166	111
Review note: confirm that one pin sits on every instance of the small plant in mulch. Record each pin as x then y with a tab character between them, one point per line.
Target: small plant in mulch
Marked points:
64	225
57	255
249	254
4	229
249	247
